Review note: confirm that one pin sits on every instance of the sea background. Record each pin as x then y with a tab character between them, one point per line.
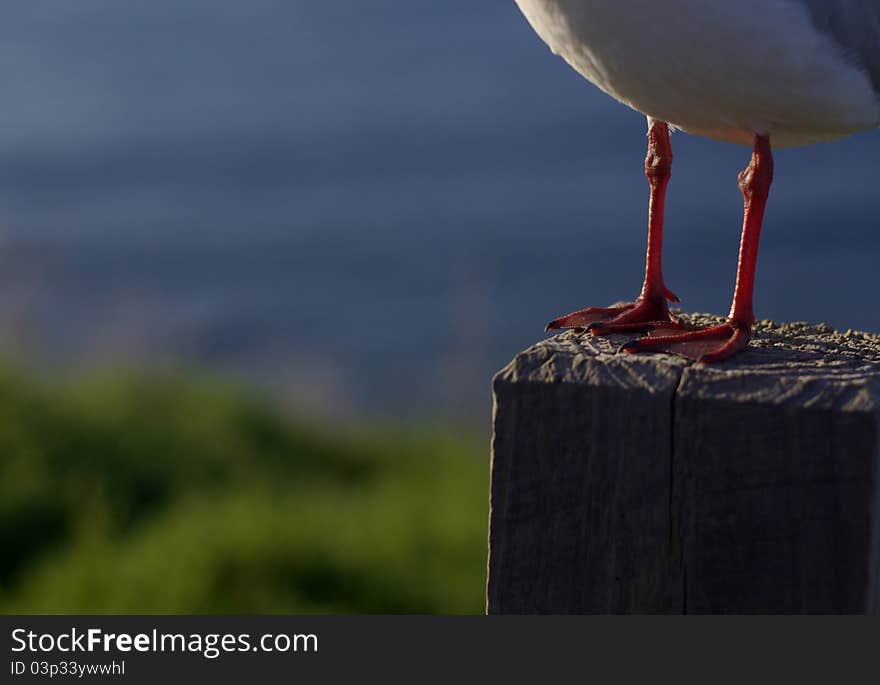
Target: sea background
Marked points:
364	209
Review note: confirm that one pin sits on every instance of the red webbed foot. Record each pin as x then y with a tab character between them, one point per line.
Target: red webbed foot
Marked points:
705	345
639	316
650	309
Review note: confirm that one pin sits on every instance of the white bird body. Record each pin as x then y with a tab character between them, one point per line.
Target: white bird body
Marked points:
795	71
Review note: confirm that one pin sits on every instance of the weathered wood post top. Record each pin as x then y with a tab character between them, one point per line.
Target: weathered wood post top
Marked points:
649	484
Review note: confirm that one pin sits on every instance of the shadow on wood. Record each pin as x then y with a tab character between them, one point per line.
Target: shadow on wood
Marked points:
648	484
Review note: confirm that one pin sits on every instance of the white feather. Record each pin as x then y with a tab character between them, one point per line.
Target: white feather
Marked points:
723	69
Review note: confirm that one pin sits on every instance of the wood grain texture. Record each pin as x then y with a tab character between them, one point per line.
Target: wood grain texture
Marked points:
648	484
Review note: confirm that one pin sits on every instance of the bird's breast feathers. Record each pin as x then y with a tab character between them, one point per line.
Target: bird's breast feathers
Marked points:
725	70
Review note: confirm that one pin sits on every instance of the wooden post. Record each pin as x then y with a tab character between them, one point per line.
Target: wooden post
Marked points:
648	484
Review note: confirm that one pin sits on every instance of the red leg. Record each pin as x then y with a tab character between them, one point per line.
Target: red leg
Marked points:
650	308
720	342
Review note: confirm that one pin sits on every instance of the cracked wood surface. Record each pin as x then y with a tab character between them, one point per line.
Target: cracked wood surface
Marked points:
649	484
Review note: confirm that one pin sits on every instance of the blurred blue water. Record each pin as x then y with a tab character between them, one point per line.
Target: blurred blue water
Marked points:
363	207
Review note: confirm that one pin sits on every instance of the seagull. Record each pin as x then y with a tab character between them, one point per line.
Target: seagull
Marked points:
761	73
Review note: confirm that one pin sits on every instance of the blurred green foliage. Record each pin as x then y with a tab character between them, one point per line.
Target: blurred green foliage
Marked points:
162	495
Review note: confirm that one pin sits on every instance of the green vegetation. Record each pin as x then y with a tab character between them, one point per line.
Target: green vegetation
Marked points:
160	495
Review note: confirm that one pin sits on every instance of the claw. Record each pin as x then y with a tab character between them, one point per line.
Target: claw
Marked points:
628	347
585	317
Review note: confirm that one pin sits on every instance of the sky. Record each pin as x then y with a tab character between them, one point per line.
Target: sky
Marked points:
365	209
